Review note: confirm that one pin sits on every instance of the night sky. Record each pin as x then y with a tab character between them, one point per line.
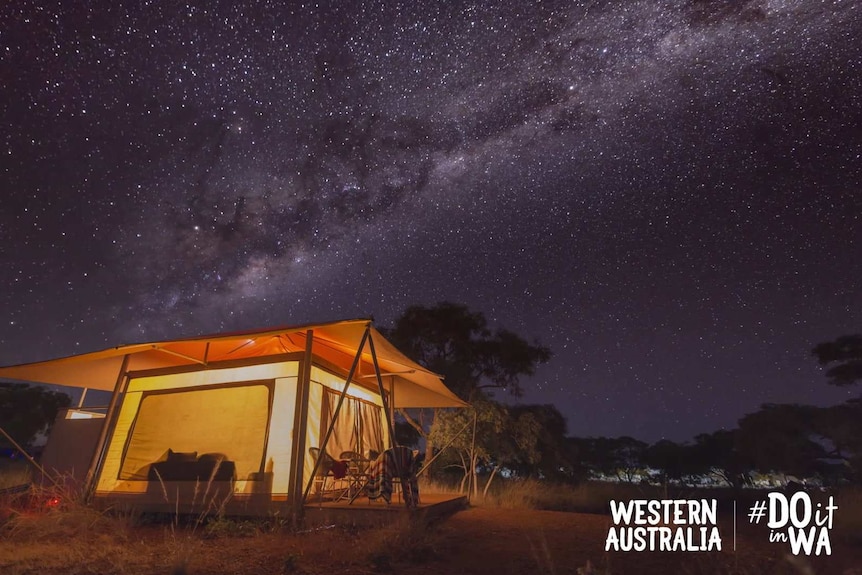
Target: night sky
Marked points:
666	193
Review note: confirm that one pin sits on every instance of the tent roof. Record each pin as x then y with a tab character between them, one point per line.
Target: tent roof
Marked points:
336	342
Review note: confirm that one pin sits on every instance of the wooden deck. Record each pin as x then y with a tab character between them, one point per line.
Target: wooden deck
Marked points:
375	513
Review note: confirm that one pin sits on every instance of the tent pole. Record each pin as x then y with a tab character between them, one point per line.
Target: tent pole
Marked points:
365	337
110	420
442	449
23	452
386	404
392	441
83	396
472	483
391	403
301	425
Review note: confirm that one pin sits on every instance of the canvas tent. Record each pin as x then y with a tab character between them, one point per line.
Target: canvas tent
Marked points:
238	409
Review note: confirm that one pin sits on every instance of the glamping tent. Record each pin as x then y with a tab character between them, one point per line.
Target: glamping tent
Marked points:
230	416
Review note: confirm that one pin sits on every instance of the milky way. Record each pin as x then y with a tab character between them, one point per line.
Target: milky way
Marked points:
665	193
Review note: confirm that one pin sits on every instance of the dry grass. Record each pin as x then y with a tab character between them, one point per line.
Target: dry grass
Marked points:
584	498
14	473
48	529
404	543
37	537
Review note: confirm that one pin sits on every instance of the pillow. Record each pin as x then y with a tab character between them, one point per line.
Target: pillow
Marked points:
182	457
339	469
212	457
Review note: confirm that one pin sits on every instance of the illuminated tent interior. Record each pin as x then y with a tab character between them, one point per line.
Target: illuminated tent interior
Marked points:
232	415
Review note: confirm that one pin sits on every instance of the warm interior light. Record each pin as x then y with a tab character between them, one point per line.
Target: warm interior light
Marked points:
78	414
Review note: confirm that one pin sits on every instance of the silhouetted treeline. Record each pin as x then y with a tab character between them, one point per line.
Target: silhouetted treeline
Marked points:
795	442
802	441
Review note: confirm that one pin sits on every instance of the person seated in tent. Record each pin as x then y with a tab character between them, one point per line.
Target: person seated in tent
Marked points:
397	462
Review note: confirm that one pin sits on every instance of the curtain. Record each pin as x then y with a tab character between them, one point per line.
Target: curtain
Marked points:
230	421
358	427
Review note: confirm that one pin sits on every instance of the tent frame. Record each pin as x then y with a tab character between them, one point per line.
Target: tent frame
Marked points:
331	351
301	416
368	338
111	418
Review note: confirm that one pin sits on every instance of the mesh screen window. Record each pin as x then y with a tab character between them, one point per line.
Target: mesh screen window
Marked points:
231	421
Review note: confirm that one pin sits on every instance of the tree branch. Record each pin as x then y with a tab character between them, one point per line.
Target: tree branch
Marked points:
413	423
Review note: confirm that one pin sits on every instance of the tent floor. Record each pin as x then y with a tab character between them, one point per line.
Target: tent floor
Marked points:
373	513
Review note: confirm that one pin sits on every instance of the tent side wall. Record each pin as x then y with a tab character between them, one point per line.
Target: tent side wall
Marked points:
245	414
241	416
325	383
71	445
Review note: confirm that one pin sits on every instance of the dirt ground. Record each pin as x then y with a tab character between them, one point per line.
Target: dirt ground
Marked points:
474	541
524	541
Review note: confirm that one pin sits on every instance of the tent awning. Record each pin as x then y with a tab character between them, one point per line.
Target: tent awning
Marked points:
336	342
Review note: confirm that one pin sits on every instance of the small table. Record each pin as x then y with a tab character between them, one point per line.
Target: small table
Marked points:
357	476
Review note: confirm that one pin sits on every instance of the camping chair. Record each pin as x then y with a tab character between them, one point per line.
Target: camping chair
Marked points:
394	469
357	471
406	483
324	470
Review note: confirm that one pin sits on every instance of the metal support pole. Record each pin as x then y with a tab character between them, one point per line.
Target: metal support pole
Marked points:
110	419
335	413
391	405
300	419
392	440
472	481
386	410
442	449
24	453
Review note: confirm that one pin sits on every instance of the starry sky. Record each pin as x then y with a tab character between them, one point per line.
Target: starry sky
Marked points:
665	193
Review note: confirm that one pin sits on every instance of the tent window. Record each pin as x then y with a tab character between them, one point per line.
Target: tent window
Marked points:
358	427
231	421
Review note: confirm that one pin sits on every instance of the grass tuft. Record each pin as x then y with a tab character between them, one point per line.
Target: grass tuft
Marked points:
290	566
409	542
583	498
226	527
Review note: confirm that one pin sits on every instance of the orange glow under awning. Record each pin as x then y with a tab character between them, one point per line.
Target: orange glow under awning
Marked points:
336	342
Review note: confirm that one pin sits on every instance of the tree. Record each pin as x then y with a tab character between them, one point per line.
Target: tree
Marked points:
27	410
579	456
551	460
451	340
505	438
841	425
672	459
718	454
780	438
804	440
622	457
627	457
406	434
846	353
455	429
839	430
455	342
